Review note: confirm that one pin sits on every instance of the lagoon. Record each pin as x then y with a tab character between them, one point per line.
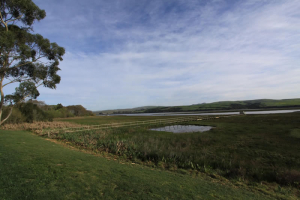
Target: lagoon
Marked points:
183	128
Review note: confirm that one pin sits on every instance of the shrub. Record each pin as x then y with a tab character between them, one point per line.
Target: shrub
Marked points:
33	113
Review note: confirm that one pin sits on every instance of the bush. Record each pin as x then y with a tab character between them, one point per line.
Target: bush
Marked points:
60	113
33	113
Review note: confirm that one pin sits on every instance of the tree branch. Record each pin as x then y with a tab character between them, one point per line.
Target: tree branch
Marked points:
16	80
9	83
5	24
11	109
14	19
26	63
11	61
8	19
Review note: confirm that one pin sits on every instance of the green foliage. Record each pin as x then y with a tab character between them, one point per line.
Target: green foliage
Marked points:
33	113
60	113
27	112
25	8
59	106
27	89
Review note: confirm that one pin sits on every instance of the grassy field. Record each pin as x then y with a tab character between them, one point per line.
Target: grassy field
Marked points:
250	149
97	120
243	157
33	167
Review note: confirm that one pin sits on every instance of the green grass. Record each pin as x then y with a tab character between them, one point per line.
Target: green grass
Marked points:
33	168
97	120
295	133
250	148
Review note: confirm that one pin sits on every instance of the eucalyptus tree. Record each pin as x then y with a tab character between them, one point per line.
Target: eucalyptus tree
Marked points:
28	59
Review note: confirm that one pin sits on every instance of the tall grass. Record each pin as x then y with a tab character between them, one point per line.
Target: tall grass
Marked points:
39	127
250	148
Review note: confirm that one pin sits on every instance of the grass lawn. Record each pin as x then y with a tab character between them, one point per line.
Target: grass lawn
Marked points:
33	167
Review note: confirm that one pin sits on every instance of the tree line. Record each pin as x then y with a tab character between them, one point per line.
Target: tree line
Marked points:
34	110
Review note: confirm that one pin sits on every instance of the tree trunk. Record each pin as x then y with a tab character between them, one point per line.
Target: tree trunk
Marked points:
2	100
11	109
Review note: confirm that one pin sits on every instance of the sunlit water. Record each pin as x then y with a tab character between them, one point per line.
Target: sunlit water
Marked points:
183	128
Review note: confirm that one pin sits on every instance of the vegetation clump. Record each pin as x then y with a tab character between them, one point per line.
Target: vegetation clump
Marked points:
37	111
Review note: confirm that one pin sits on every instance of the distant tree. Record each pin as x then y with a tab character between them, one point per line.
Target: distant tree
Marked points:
25	58
237	106
174	109
59	106
38	103
254	105
79	110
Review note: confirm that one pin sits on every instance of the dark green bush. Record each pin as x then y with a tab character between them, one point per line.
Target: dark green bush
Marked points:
33	113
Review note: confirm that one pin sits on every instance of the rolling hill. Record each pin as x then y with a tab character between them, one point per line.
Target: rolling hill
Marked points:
215	106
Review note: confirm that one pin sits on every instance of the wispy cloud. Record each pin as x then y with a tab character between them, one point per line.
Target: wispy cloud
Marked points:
136	52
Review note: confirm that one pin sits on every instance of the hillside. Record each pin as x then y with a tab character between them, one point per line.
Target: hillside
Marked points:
127	110
215	106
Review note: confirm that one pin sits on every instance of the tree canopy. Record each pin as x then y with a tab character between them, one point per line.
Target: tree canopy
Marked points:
25	58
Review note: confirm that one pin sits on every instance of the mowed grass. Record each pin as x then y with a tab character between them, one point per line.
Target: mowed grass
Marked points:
32	167
251	149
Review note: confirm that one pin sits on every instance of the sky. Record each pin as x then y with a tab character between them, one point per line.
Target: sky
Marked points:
131	53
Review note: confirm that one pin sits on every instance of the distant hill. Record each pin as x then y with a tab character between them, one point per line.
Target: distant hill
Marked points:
127	110
215	106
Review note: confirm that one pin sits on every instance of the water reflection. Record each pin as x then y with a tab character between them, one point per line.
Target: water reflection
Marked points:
183	128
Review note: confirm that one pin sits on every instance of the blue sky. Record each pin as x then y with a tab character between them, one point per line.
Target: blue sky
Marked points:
130	53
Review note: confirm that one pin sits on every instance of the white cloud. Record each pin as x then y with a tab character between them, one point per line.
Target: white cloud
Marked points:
222	50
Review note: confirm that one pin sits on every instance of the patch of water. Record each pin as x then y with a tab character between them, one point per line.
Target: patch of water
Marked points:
183	128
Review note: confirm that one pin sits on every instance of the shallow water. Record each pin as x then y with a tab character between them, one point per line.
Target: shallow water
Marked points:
183	128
